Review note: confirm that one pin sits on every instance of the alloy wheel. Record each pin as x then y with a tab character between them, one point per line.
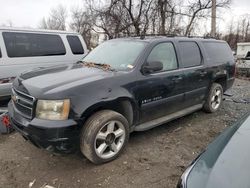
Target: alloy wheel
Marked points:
110	139
216	98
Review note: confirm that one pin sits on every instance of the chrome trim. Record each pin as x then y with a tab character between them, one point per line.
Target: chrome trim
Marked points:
24	106
177	70
16	91
184	176
22	98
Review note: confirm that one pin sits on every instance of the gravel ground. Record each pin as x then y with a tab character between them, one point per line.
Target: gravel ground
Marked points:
155	158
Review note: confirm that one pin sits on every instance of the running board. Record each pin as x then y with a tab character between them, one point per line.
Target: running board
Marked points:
167	118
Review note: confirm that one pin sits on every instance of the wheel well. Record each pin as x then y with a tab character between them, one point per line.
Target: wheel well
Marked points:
222	81
124	107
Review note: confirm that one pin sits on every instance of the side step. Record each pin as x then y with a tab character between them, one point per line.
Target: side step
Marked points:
165	119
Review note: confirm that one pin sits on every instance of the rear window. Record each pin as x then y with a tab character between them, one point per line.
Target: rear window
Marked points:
190	54
31	44
218	52
75	44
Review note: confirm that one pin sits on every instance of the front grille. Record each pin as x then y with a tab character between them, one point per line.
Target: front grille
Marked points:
24	103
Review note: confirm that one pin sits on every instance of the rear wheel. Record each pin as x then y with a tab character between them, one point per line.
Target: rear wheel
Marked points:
104	136
214	98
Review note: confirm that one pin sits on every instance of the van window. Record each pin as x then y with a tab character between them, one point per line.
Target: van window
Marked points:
31	44
0	53
190	54
165	53
75	44
218	52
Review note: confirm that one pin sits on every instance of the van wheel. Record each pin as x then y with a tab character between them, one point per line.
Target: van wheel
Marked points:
214	98
104	136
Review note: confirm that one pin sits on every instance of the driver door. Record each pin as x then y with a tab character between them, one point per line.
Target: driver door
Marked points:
161	93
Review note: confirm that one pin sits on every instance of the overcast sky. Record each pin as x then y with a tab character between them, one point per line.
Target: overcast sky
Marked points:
28	13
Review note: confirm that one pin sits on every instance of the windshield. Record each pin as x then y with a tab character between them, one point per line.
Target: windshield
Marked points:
120	55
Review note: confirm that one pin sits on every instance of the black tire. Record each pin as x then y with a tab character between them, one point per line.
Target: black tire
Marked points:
209	104
94	127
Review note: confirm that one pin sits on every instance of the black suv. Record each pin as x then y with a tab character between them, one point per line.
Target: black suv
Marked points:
123	85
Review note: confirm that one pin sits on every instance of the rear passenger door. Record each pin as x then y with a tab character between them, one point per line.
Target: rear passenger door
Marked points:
196	75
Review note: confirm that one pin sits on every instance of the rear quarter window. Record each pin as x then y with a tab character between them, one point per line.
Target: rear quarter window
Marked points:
33	44
218	52
75	44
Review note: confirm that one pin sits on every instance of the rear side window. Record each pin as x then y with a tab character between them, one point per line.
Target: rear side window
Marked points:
75	44
218	52
31	44
0	53
190	54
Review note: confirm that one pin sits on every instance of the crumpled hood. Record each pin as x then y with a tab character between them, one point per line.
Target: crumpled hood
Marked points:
42	80
225	163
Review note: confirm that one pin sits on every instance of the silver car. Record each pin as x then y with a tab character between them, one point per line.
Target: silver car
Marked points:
26	49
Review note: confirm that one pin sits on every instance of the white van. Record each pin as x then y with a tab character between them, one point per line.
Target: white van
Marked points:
25	49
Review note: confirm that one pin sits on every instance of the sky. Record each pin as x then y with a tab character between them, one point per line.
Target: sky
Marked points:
28	13
237	8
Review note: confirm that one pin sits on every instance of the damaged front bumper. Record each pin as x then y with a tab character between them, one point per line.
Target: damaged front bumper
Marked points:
56	136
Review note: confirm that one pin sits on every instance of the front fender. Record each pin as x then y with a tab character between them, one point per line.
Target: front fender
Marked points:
90	102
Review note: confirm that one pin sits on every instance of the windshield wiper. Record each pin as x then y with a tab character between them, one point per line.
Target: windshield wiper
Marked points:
103	66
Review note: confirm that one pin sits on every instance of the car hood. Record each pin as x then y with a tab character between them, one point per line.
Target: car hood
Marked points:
42	80
225	163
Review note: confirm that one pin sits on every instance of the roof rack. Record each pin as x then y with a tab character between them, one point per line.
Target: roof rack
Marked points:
169	35
159	35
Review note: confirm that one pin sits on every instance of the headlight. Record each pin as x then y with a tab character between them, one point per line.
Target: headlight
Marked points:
53	109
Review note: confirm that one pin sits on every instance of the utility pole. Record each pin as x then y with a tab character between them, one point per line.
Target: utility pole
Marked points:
213	19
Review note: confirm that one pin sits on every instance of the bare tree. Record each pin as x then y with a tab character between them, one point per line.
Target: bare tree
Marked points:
56	19
82	22
111	17
7	24
197	9
245	23
117	18
138	14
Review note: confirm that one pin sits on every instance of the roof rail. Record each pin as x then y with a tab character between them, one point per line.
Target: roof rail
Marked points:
159	35
169	35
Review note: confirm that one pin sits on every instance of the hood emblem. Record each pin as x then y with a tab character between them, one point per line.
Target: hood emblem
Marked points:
15	98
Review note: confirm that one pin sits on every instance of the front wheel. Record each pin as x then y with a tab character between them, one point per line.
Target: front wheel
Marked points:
214	98
104	136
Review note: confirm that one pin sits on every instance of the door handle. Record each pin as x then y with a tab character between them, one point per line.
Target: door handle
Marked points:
203	73
177	78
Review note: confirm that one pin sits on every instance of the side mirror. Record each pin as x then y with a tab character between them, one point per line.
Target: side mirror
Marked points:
152	66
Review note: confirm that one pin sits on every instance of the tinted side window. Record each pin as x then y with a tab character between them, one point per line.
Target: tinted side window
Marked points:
165	53
31	44
0	53
75	44
218	52
190	54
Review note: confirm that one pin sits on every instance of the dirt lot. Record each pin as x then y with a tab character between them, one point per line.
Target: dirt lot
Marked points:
155	158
